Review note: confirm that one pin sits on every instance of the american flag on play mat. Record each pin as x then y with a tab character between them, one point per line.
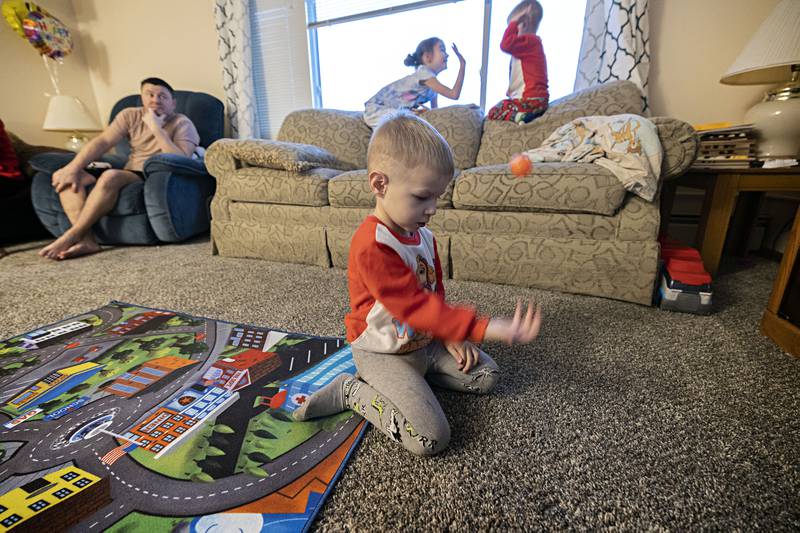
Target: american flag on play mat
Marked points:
111	457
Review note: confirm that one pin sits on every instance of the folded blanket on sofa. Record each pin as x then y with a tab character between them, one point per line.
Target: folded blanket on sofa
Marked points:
627	145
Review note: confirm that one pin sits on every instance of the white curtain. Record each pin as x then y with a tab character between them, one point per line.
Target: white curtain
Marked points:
233	38
615	44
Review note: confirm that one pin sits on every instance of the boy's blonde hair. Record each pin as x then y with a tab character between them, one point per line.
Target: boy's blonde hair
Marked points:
536	11
406	140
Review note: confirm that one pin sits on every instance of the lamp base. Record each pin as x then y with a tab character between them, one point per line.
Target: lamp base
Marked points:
777	121
75	142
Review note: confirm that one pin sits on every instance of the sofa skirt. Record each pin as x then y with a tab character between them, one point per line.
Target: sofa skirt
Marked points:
622	270
611	268
274	242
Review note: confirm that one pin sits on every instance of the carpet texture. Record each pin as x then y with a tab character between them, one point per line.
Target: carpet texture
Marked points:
619	416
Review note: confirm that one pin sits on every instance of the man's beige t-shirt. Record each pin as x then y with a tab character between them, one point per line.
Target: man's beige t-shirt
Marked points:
128	123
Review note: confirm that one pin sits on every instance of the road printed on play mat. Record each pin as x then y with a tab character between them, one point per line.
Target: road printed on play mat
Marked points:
131	418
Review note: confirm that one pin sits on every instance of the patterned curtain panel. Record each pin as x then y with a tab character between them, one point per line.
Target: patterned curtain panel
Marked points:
233	37
615	45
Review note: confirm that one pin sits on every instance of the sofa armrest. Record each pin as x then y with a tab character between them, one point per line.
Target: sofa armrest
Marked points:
226	155
177	200
180	164
49	162
680	143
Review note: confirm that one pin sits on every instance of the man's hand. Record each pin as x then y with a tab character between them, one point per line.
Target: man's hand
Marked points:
466	353
153	120
458	54
519	330
66	177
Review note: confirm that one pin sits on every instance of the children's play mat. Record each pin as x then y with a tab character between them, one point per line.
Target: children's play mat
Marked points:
134	419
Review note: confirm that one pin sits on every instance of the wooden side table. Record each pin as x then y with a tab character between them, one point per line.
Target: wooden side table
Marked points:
777	322
721	188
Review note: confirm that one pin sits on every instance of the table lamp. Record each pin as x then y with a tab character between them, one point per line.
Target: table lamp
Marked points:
67	113
773	56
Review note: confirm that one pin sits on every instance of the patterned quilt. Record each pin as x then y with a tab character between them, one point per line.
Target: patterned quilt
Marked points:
627	145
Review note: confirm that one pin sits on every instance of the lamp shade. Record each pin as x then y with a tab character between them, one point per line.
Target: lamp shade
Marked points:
771	52
67	113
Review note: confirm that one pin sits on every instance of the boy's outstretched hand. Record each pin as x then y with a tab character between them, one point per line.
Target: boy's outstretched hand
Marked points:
519	330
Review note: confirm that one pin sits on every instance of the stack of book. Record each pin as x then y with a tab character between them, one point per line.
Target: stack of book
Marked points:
724	145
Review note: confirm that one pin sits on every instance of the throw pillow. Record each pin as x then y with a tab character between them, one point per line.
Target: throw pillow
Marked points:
294	157
9	163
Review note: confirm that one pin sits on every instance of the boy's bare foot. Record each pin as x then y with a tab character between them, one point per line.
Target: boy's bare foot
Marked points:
84	247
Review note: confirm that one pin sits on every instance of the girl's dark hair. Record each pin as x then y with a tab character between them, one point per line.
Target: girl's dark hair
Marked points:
415	59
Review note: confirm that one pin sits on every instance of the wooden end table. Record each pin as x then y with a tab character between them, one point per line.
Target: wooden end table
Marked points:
721	188
777	322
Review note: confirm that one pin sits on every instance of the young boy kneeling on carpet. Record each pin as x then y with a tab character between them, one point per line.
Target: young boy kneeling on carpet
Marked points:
401	329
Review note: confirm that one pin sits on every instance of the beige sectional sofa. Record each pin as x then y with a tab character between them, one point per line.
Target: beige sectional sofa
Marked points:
567	226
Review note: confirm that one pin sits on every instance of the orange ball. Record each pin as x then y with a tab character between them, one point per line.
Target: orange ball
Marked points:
520	165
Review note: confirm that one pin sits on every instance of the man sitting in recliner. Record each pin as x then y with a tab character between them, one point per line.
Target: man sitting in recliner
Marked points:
152	129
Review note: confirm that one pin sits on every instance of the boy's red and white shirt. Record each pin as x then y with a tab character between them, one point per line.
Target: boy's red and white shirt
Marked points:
528	73
396	293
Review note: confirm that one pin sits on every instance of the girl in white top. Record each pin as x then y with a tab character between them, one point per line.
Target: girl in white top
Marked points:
416	89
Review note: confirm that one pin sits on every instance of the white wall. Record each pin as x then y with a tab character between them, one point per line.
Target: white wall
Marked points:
127	41
693	43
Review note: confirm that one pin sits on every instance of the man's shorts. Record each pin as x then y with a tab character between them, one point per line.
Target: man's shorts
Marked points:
96	172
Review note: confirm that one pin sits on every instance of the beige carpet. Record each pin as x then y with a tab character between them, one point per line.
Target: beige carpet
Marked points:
620	416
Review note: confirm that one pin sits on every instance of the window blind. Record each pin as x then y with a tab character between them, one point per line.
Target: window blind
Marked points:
328	12
280	65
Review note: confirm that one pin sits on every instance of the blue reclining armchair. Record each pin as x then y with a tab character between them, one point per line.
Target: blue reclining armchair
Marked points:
170	205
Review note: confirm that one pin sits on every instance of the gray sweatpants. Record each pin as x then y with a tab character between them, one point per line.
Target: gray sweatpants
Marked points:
394	394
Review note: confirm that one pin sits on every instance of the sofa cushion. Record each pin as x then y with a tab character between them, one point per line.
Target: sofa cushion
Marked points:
342	133
461	126
502	139
351	189
562	187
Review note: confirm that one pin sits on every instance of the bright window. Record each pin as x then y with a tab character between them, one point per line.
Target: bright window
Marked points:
355	58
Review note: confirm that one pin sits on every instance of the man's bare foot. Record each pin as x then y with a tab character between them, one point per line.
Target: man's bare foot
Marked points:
86	246
59	245
69	245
